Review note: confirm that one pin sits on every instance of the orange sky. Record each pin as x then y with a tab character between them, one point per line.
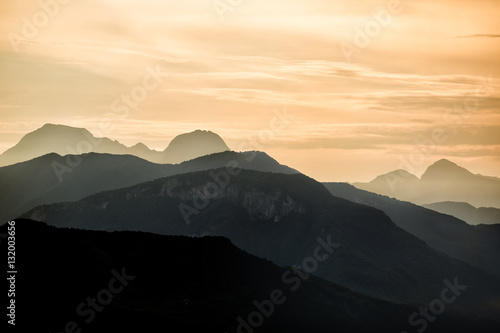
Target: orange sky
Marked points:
361	84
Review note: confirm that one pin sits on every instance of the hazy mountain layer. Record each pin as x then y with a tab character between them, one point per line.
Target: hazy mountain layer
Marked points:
64	140
476	245
467	212
442	181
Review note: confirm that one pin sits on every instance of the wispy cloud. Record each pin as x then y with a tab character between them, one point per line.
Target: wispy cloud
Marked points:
479	36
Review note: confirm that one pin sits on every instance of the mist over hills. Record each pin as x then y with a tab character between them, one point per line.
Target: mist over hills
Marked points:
197	284
467	212
381	247
50	178
280	217
442	181
64	140
476	245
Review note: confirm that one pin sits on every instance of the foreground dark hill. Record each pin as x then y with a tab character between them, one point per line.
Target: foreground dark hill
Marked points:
64	140
283	218
442	181
50	178
467	212
476	245
168	283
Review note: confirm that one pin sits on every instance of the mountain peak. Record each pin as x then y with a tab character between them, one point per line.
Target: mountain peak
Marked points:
60	139
53	136
444	169
402	173
63	140
444	163
140	146
187	146
50	126
394	175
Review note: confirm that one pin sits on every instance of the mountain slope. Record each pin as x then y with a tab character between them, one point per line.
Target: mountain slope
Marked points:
442	181
191	284
28	184
281	218
476	245
467	212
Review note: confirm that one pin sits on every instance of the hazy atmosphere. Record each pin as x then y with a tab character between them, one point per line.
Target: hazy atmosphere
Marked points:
250	166
327	87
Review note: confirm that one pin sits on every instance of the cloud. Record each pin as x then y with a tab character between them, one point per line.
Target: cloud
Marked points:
479	36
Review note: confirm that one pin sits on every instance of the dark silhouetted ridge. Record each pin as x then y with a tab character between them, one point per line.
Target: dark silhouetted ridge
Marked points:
172	283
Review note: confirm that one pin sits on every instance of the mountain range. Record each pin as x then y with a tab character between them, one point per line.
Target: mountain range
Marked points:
467	212
66	140
210	233
442	181
51	178
195	284
282	218
476	245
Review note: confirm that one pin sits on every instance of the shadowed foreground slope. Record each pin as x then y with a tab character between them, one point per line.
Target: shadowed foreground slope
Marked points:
165	283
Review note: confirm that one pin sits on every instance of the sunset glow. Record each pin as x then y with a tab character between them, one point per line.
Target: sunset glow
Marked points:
339	90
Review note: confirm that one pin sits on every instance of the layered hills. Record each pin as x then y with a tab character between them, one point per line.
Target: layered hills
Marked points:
476	245
282	218
53	178
467	212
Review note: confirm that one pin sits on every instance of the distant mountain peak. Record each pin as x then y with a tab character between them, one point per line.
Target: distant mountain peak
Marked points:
50	133
50	126
444	180
64	139
443	169
444	163
394	175
187	146
402	173
201	131
186	137
140	145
